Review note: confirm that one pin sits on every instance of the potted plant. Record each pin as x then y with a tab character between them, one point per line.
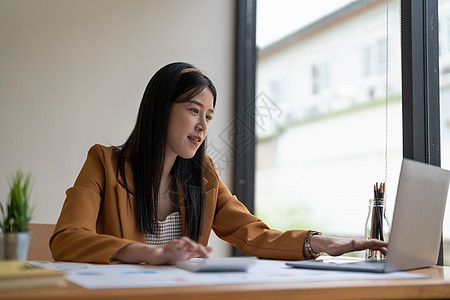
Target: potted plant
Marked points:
16	216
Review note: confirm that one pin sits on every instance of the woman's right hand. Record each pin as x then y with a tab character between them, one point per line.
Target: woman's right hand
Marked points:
335	246
177	250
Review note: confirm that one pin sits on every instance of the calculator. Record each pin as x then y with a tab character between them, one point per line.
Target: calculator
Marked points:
221	264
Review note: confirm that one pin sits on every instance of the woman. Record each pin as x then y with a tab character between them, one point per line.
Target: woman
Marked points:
156	198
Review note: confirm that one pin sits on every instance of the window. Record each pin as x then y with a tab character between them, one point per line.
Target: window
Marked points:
418	85
374	58
447	27
380	58
318	170
320	80
365	62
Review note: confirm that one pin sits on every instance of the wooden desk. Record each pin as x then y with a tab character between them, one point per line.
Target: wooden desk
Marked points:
437	286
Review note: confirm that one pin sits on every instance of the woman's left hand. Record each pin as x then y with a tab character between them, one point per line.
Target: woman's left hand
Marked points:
337	246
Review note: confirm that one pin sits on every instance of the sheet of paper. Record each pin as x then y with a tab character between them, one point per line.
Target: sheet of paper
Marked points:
93	276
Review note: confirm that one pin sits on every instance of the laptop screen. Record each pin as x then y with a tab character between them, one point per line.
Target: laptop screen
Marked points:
418	216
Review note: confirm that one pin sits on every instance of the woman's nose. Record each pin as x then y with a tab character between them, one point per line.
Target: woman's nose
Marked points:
202	125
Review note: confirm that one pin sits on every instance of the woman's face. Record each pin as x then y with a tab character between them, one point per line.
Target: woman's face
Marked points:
188	124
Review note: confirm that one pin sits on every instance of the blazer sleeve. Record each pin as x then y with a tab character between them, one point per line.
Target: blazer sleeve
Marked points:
75	237
236	225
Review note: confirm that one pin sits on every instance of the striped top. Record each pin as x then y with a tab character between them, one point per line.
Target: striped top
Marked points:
166	231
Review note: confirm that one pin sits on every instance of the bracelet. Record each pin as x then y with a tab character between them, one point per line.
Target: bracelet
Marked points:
309	253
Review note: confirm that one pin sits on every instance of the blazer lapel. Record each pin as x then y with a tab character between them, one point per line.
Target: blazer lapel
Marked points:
208	216
127	216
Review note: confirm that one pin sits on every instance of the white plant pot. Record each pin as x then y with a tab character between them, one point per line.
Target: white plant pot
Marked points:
16	245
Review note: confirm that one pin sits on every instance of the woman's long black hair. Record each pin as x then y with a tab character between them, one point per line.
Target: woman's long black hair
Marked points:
145	148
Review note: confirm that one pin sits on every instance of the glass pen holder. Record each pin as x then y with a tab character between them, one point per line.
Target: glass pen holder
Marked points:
377	226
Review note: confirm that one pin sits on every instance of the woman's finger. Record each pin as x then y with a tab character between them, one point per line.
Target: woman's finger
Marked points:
183	249
202	251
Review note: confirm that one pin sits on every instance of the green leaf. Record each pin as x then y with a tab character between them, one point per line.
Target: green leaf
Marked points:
18	211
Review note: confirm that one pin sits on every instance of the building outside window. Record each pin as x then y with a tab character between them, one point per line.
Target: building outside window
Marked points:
316	168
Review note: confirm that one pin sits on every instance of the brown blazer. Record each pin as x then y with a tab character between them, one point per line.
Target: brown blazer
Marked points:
97	220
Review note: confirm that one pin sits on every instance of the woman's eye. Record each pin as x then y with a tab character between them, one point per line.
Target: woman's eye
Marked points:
194	110
209	118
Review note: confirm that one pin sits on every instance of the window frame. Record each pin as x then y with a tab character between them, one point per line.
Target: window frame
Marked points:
420	84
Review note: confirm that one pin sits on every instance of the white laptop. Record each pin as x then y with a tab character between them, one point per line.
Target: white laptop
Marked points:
416	224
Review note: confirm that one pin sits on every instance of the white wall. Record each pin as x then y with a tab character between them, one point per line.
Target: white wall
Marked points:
72	74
